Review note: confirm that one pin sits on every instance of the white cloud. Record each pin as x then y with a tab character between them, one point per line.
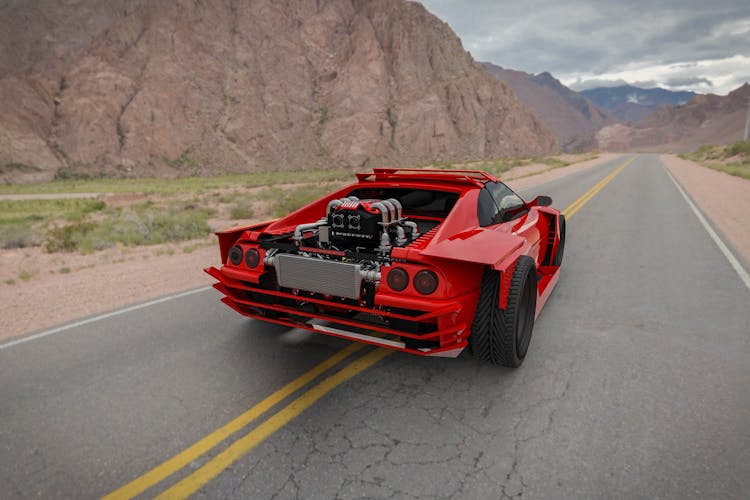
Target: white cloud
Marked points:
739	27
717	76
686	44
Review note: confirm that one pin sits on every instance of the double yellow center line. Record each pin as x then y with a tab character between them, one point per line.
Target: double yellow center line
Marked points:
580	202
201	476
195	480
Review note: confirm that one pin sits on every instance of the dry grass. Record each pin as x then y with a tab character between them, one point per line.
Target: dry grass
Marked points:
733	159
134	212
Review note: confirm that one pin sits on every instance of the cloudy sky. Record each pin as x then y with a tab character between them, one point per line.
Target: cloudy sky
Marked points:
702	46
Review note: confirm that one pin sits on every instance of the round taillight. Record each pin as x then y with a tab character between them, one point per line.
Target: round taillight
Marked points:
425	282
398	279
252	258
235	255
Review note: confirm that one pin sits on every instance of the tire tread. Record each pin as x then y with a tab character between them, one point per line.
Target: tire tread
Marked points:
493	336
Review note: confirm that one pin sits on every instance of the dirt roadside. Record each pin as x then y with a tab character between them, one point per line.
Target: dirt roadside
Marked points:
723	198
62	287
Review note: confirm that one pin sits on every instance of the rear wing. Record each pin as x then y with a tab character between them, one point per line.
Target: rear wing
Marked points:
475	177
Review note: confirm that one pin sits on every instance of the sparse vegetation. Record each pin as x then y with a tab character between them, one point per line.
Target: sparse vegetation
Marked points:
741	148
501	165
22	221
186	159
497	167
144	224
17	235
36	210
191	184
733	159
554	162
241	211
65	174
152	211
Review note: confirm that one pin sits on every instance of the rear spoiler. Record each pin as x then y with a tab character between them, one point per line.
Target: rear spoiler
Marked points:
474	177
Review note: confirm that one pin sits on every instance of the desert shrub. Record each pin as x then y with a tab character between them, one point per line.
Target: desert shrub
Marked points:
144	224
500	166
738	148
22	222
554	162
67	238
186	159
241	211
735	169
150	225
703	151
18	235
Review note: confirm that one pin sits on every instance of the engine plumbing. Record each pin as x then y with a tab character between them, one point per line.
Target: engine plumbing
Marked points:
351	223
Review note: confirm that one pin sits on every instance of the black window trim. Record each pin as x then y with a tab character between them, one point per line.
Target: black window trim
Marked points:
493	221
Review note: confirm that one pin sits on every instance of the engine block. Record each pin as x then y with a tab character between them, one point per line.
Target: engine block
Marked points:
357	222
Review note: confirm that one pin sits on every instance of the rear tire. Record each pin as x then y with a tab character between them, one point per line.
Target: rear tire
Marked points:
502	337
557	261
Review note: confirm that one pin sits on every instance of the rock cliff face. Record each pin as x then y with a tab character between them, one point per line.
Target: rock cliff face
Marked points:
705	119
195	87
573	118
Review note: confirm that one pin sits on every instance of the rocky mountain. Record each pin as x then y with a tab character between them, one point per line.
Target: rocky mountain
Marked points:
705	119
176	87
633	104
572	117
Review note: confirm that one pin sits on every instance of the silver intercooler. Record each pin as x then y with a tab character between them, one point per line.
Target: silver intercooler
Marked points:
341	279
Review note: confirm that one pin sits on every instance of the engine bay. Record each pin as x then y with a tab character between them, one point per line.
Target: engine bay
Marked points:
341	253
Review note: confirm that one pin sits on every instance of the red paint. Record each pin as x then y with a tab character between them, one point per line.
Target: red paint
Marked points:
457	251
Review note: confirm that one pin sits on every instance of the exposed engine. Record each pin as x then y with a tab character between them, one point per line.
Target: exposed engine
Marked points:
341	254
370	225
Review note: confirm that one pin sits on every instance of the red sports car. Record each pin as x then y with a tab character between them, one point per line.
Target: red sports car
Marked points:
423	261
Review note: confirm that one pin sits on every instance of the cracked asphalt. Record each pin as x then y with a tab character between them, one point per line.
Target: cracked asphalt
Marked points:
637	384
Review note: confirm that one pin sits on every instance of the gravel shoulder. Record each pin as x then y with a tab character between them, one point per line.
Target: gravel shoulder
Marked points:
723	198
39	290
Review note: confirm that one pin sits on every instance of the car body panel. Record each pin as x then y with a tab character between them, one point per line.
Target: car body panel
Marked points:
454	248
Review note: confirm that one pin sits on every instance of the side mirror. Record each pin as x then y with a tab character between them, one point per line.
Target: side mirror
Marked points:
542	201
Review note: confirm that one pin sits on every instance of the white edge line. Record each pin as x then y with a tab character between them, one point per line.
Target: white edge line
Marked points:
733	261
100	317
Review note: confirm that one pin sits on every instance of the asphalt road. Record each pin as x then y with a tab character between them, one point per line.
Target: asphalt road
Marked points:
637	384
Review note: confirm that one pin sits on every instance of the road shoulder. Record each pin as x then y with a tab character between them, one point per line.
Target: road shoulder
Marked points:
723	198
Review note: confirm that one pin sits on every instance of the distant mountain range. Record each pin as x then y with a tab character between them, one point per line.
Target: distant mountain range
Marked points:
705	119
571	116
634	104
628	118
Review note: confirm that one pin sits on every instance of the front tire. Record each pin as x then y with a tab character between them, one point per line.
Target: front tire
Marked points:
502	337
